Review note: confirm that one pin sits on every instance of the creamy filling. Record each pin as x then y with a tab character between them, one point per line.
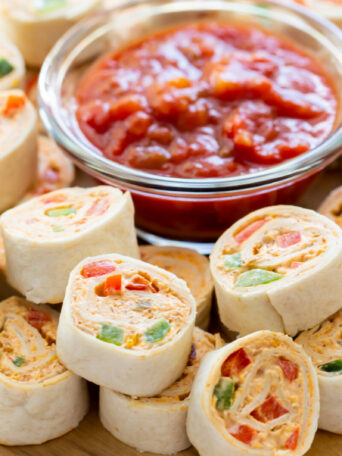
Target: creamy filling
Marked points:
54	169
323	344
63	212
27	343
270	248
261	396
127	306
15	115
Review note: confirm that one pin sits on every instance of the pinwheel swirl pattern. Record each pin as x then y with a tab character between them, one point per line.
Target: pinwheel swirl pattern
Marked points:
27	341
63	212
263	394
126	306
324	345
269	248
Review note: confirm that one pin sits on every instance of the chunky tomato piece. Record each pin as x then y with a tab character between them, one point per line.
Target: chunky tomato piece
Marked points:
112	285
125	106
288	239
259	99
235	363
269	410
97	268
160	134
249	230
37	318
292	442
289	368
243	433
148	157
138	123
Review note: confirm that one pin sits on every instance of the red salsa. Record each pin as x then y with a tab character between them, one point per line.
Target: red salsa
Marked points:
206	100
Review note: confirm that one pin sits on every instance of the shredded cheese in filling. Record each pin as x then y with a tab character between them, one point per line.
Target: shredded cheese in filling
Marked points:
323	344
202	343
283	244
63	212
269	396
144	309
27	343
185	264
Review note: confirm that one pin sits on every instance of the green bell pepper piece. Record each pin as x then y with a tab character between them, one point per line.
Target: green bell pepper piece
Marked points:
157	331
61	212
232	261
332	366
111	334
18	361
256	277
5	67
224	392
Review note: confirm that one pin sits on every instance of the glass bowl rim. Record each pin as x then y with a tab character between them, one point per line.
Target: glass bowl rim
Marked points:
110	171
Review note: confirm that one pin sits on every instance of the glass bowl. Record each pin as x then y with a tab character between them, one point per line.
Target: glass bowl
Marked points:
186	210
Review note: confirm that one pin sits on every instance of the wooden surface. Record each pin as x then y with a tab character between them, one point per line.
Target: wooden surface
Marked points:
91	439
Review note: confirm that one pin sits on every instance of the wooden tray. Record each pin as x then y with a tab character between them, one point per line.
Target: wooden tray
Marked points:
91	439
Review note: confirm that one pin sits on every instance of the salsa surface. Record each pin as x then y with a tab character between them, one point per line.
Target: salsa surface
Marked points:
206	100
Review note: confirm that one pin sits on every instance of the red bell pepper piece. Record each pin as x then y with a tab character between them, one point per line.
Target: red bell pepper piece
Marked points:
99	207
136	286
288	239
269	410
249	230
12	104
138	283
289	368
37	318
235	363
112	285
292	442
243	433
55	199
97	268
